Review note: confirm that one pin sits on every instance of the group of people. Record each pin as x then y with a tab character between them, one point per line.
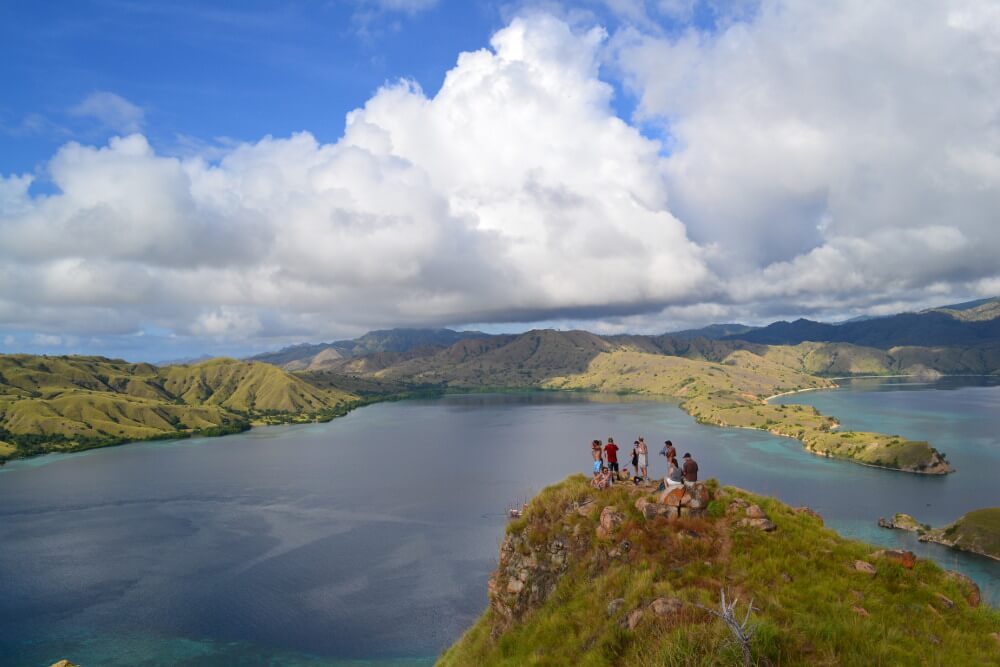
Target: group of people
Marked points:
606	470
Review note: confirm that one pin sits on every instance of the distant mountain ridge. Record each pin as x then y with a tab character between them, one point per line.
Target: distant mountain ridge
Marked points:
307	356
972	323
961	325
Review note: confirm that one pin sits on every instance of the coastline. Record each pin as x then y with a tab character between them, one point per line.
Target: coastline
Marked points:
802	391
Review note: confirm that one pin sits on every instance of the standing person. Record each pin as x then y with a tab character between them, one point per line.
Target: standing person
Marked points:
635	456
595	451
611	449
668	450
690	469
643	462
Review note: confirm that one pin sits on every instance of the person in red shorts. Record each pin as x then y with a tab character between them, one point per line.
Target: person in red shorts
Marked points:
611	454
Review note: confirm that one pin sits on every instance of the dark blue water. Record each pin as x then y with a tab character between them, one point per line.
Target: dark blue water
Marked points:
368	540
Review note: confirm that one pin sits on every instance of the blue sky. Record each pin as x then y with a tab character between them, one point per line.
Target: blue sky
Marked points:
203	71
179	178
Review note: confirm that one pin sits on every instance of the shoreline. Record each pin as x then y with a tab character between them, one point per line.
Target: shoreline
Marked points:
800	391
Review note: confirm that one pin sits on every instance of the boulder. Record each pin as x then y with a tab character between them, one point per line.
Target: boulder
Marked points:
672	497
755	512
611	520
860	611
945	601
633	618
651	510
969	588
808	512
615	605
864	568
760	524
737	506
665	606
905	558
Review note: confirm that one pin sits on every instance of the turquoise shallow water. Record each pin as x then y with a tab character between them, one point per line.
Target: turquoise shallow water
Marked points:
368	540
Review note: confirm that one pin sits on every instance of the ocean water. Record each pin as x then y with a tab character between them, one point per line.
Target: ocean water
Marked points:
368	540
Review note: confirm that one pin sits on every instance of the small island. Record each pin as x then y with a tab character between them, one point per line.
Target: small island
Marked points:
977	532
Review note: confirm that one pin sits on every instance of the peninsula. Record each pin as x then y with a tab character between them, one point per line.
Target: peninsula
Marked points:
977	532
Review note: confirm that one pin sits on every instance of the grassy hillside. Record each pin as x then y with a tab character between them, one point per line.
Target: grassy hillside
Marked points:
568	592
978	531
72	403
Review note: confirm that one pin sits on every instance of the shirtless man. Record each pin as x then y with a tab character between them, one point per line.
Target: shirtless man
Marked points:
597	453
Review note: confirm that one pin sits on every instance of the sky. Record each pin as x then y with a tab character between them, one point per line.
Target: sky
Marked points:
191	178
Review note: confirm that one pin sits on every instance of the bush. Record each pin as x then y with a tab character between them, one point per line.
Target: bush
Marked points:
716	509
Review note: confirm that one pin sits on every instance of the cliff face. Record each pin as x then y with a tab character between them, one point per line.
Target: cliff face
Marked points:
629	576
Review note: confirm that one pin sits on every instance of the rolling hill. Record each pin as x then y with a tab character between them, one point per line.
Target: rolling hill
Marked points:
73	403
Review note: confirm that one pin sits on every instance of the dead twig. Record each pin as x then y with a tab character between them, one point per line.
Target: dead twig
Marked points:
742	631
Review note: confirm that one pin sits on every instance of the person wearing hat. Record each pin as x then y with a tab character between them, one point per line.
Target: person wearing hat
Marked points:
690	468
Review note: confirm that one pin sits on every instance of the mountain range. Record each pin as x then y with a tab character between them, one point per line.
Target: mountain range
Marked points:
956	339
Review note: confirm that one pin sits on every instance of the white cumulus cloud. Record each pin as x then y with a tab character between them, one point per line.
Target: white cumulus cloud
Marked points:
847	149
513	193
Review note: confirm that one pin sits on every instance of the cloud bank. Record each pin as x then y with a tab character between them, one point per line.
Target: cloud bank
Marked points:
810	158
514	193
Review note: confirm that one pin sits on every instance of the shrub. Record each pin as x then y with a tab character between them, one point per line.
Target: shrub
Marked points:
716	509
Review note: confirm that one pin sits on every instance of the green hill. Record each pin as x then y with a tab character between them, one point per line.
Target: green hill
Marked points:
615	577
72	403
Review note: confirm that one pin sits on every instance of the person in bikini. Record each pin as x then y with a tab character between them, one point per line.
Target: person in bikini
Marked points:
643	462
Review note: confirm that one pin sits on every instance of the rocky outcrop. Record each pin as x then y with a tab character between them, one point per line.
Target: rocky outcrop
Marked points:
864	568
902	521
969	588
905	558
524	578
757	518
611	519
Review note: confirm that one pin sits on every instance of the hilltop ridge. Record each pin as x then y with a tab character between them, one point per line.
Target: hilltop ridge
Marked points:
626	577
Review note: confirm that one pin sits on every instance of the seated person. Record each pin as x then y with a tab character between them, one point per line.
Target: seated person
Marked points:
602	479
675	475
